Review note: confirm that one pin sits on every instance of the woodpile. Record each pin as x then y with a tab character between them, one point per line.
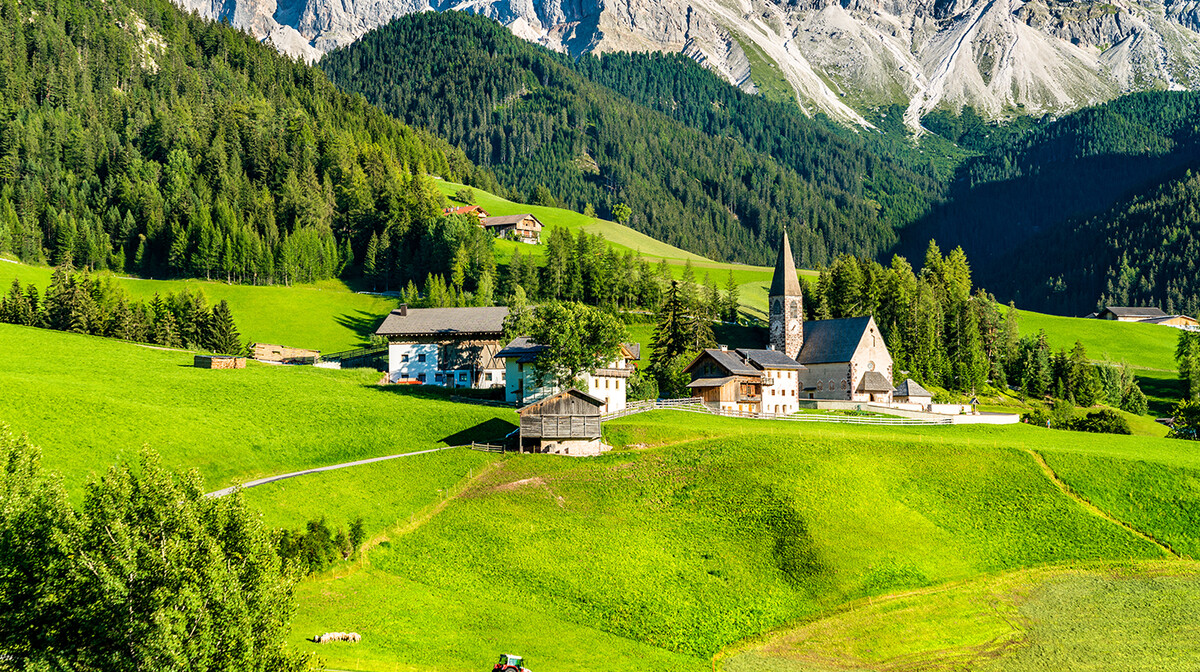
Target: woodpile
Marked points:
219	362
352	637
266	352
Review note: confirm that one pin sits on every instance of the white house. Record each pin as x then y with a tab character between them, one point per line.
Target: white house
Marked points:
450	347
608	383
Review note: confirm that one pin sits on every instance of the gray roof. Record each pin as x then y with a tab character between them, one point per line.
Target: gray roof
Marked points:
1164	318
828	341
527	350
1131	311
769	359
508	220
524	348
727	360
874	381
910	388
449	322
710	382
784	281
573	392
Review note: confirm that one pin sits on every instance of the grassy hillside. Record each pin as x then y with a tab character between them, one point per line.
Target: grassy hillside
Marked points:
326	316
1144	346
90	402
1129	617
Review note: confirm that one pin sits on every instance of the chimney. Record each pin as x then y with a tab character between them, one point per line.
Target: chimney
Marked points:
403	310
724	348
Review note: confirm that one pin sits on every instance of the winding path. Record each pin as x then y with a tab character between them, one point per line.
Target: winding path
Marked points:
271	479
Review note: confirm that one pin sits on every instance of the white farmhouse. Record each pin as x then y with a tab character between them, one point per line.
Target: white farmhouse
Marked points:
608	383
450	347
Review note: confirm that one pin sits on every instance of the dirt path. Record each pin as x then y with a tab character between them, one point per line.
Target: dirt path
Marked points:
271	479
1066	489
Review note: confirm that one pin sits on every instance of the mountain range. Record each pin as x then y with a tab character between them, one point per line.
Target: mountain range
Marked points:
845	58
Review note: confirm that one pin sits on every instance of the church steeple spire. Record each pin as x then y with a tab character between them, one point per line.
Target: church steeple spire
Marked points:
786	304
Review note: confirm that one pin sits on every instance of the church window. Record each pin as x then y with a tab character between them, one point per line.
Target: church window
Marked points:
820	386
844	385
832	384
870	366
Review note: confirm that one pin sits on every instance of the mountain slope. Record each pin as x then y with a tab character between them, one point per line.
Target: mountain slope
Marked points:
720	176
839	58
1047	190
136	137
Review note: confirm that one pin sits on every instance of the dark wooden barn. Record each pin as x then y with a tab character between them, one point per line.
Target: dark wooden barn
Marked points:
566	423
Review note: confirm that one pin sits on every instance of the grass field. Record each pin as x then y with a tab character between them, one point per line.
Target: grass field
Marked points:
91	402
728	529
696	534
1144	346
326	316
1111	617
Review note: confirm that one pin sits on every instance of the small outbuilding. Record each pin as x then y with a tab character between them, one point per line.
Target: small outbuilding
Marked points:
910	392
219	362
567	423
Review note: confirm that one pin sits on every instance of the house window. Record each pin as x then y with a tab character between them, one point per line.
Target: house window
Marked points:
420	358
606	383
487	377
404	358
617	384
520	367
462	375
437	376
421	377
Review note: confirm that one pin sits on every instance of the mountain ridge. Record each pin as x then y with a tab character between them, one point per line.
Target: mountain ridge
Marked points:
840	58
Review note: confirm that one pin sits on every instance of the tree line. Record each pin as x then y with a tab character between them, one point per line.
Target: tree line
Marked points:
77	302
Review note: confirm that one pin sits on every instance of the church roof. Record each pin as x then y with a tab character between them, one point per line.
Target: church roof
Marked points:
828	341
784	281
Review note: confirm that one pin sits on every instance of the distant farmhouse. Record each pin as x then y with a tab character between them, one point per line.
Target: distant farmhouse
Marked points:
1147	315
844	359
607	384
525	228
451	347
473	210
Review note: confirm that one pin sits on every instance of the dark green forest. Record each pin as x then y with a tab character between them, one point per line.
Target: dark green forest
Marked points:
700	164
138	138
1063	215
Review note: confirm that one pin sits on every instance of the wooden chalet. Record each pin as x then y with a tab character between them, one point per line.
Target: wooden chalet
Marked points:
473	210
525	228
567	423
725	382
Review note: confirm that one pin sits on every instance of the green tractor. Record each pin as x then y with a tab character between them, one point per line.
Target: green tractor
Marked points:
510	663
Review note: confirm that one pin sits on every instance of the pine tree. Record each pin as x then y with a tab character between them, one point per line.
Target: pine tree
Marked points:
224	338
732	298
370	270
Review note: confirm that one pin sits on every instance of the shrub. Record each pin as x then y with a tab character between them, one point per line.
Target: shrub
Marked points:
318	546
642	386
1103	421
1187	421
465	195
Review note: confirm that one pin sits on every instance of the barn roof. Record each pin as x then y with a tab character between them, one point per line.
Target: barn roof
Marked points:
508	220
450	322
829	341
1168	318
710	382
784	281
769	359
730	362
910	388
874	381
1133	311
573	392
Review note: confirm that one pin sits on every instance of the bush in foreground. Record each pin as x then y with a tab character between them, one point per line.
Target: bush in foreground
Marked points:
149	574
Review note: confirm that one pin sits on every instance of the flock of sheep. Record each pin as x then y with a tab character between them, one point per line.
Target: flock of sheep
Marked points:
352	637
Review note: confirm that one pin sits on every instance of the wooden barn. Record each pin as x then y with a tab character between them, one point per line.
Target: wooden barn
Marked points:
567	423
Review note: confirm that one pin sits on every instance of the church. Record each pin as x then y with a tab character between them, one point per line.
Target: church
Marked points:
832	360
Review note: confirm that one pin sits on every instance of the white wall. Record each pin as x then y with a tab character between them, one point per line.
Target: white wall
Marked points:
782	397
404	361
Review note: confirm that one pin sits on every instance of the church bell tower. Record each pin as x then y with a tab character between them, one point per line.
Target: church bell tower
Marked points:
786	304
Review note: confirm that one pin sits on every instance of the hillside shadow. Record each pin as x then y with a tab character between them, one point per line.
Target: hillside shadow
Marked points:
361	322
1162	394
488	431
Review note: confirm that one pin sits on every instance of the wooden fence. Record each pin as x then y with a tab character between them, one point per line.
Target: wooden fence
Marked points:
697	405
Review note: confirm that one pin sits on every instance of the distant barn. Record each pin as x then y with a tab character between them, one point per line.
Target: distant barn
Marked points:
567	423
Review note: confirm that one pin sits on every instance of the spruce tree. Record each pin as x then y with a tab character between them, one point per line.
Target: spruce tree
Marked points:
732	298
225	338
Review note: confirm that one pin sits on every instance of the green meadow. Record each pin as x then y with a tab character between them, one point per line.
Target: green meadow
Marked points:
1143	346
697	537
326	316
92	402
